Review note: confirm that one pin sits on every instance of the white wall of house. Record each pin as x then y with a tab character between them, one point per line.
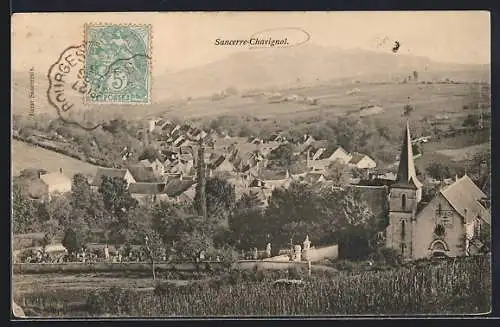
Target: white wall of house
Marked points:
129	178
425	223
340	155
366	163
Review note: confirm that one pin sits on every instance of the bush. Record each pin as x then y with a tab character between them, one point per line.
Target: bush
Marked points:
295	272
388	256
96	303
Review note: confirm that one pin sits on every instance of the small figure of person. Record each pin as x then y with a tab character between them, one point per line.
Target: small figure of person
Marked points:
268	250
106	252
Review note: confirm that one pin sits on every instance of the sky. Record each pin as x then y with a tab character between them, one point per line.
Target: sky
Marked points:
186	40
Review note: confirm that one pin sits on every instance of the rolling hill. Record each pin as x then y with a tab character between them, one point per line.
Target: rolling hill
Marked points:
302	66
28	156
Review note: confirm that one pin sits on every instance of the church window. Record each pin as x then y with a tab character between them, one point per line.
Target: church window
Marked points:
439	230
403	202
403	231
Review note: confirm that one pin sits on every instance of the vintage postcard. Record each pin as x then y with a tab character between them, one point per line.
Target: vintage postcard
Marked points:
251	164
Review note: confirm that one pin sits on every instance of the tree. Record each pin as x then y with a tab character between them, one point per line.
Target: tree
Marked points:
356	225
117	199
338	172
23	211
415	75
150	153
180	230
407	110
80	192
75	237
282	156
152	246
200	196
220	198
438	171
295	212
192	244
247	224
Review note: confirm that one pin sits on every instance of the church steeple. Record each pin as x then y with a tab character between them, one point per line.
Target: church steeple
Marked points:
406	171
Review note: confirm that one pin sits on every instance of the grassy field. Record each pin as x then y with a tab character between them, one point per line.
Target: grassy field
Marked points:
428	99
461	286
28	156
465	153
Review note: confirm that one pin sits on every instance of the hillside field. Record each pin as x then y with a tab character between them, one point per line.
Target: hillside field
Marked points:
336	100
28	156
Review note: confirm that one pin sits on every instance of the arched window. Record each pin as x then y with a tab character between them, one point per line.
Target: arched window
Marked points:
403	230
403	202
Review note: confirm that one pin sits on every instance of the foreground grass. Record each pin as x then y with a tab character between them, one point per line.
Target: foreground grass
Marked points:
461	286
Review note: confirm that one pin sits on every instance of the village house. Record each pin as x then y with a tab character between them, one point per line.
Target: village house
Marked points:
111	173
341	155
148	192
147	172
220	165
45	186
361	161
275	180
180	190
448	225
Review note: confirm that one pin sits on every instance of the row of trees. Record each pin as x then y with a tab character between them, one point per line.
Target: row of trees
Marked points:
112	215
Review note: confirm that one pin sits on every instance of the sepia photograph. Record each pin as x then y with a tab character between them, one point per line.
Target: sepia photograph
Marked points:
250	164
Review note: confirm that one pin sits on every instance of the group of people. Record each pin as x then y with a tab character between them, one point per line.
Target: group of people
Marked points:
124	254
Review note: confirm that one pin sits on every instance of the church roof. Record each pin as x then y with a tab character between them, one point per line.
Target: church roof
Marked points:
464	196
406	171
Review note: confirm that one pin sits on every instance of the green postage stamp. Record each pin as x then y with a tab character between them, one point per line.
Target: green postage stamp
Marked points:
118	63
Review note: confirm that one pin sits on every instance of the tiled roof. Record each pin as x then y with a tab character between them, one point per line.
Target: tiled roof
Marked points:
217	162
144	174
356	158
147	188
109	172
176	186
465	195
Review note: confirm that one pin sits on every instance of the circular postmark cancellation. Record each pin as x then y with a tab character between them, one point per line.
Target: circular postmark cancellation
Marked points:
68	85
111	68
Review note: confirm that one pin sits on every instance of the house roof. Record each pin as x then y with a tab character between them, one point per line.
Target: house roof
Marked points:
464	195
320	164
217	162
56	178
147	188
356	158
327	153
109	172
176	186
144	174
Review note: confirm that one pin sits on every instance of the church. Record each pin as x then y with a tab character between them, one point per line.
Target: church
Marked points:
453	223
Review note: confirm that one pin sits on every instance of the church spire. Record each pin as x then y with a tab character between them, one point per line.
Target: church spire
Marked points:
406	171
